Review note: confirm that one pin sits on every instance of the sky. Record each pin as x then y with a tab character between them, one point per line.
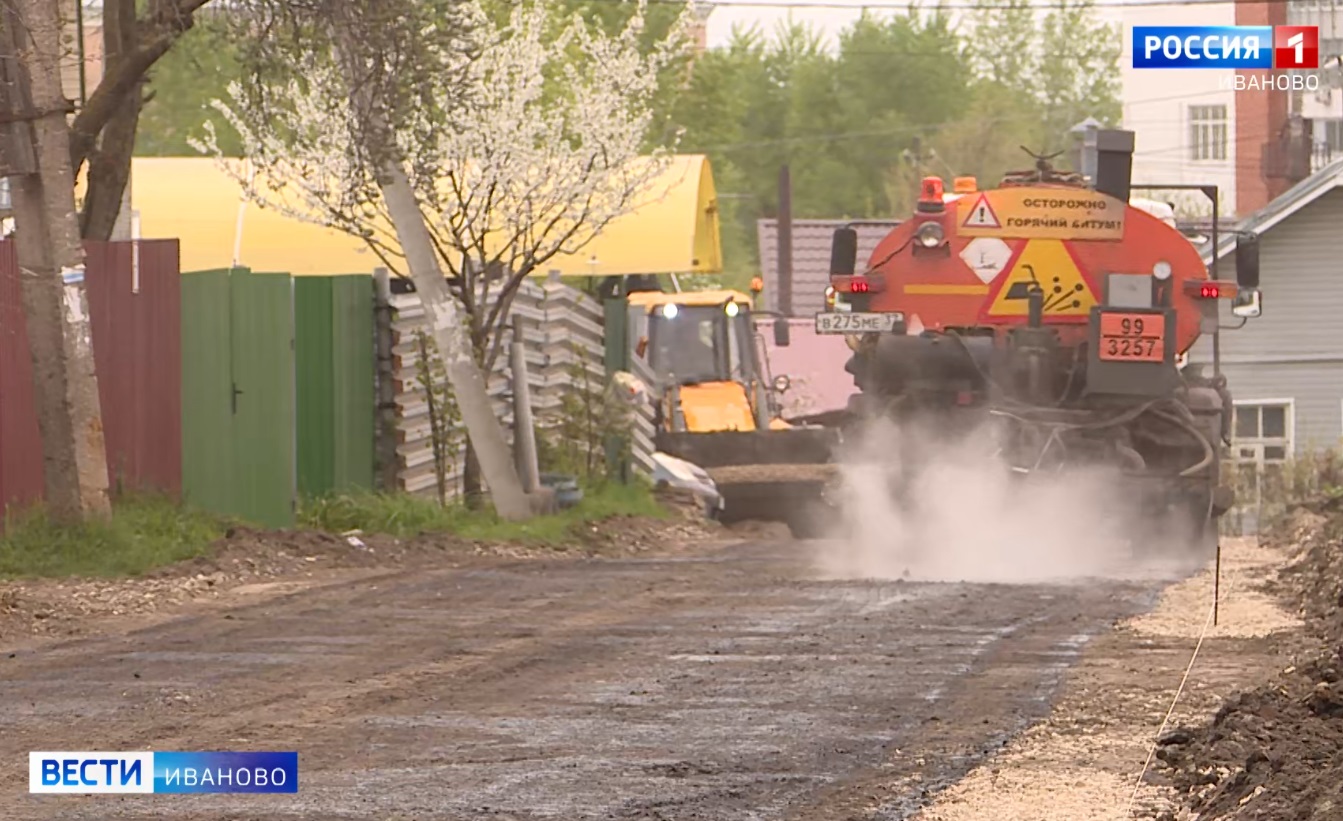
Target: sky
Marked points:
829	21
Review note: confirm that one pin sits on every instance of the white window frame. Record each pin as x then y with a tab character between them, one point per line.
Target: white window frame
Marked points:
1203	132
1288	440
1250	451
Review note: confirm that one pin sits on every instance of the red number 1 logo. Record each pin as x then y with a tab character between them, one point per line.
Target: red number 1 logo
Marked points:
1296	47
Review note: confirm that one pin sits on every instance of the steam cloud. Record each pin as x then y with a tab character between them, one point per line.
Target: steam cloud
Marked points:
962	516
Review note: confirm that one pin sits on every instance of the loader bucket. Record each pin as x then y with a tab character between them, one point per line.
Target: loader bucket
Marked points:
767	475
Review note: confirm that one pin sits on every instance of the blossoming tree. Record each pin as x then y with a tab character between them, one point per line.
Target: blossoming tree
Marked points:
465	149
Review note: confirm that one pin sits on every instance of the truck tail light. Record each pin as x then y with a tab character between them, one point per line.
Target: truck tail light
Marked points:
1211	289
873	284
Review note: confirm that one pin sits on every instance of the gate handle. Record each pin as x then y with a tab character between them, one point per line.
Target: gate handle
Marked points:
236	392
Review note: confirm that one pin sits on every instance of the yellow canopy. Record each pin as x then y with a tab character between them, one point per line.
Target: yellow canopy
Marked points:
193	200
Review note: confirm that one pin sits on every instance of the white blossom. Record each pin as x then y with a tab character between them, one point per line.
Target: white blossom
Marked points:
541	148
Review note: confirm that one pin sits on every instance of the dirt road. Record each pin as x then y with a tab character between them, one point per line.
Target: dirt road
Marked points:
723	686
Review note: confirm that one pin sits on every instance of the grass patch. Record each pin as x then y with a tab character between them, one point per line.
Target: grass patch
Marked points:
403	515
143	532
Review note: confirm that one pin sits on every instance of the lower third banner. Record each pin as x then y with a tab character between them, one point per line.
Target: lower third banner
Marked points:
163	772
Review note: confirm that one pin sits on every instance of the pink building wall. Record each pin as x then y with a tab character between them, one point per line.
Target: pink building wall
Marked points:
815	365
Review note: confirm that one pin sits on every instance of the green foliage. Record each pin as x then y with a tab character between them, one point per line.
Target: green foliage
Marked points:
1274	491
197	69
446	433
900	97
591	417
144	532
403	516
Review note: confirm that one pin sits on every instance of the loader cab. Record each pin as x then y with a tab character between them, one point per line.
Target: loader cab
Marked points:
697	343
701	348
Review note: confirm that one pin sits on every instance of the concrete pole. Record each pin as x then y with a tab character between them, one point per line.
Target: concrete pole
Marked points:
524	430
784	281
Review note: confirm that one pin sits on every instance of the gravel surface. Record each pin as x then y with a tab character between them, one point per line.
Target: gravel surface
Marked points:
1083	762
656	671
1272	753
719	684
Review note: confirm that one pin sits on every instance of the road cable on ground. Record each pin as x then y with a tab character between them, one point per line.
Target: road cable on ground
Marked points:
1156	742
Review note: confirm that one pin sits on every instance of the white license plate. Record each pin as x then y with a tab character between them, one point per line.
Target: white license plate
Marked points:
847	323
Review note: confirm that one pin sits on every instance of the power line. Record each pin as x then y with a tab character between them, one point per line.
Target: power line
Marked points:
837	136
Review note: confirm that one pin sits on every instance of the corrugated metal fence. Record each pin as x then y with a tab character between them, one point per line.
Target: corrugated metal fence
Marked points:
278	375
564	351
135	310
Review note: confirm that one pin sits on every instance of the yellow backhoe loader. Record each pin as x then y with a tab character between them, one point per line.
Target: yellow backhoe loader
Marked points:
718	406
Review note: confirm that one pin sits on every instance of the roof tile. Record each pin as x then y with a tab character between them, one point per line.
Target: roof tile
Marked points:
811	257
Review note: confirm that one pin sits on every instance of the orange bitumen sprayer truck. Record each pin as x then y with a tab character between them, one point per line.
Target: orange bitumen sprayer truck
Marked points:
1058	314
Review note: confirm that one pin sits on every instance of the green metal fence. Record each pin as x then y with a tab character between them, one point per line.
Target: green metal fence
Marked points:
334	344
238	454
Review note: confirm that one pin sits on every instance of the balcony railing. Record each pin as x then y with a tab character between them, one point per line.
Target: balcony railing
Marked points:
1321	155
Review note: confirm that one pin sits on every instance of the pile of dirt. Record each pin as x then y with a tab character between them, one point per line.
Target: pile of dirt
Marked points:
1272	754
245	556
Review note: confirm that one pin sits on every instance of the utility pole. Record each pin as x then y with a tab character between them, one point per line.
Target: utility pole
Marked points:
784	299
51	261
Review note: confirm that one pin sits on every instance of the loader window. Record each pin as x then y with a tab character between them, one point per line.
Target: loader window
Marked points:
692	346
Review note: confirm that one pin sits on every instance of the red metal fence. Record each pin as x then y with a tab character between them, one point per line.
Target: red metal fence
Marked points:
134	292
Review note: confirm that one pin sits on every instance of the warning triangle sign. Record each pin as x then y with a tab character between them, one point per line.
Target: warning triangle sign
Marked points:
1045	264
981	215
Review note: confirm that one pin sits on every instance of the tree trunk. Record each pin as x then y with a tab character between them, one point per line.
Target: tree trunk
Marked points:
51	263
110	162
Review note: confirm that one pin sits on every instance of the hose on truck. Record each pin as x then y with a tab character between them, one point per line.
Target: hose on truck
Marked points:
1209	455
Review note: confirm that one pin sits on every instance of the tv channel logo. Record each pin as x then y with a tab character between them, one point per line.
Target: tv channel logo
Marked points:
1296	47
1242	47
87	773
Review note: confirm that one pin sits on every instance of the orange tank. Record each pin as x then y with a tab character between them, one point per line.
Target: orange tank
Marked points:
979	274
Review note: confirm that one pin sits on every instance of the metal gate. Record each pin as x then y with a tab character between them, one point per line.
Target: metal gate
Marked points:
333	317
238	444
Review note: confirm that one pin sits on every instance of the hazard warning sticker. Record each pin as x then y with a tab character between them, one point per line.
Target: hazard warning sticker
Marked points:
1047	265
987	257
1042	213
981	215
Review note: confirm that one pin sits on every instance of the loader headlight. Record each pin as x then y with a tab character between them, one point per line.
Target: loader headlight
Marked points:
930	234
1161	270
782	383
732	309
670	310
